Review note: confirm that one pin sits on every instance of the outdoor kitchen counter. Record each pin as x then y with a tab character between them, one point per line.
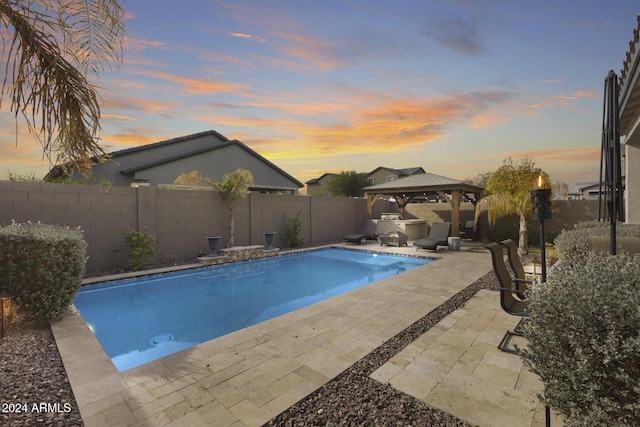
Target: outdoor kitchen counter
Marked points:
414	228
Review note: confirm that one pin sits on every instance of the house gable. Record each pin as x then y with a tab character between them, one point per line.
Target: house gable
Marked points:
319	186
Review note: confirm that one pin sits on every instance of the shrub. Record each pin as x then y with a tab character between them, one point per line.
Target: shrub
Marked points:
292	226
572	244
584	339
142	245
42	265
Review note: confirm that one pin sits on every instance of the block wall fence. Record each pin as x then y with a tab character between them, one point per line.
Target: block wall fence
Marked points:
181	219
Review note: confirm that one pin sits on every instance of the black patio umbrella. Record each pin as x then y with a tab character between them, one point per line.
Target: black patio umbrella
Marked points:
610	161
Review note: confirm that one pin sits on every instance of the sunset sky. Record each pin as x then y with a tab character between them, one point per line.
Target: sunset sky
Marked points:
453	86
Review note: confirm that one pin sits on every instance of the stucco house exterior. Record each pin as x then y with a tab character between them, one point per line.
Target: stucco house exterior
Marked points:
210	153
383	174
320	186
629	113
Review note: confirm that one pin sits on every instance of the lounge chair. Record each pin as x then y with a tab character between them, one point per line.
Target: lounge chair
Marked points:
510	295
354	238
466	231
369	232
437	237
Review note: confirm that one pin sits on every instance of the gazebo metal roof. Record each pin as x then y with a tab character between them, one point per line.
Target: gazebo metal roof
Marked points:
423	182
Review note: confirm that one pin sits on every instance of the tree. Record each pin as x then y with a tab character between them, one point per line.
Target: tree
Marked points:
508	194
233	187
194	178
50	49
348	184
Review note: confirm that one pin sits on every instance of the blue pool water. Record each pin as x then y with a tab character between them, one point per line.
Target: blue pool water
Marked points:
140	320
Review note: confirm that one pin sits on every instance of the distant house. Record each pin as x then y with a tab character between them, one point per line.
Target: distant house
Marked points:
592	191
589	191
210	153
629	104
320	186
382	174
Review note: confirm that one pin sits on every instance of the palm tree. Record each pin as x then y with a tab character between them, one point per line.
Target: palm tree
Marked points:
50	49
508	194
234	186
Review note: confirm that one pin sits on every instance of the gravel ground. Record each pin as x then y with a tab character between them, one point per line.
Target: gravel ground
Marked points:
35	391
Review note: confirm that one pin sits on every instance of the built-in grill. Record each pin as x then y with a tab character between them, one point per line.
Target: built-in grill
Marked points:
390	216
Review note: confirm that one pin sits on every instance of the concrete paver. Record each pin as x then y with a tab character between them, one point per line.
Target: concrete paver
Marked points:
248	377
461	371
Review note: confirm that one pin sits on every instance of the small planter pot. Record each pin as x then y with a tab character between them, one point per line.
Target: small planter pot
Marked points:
268	237
213	245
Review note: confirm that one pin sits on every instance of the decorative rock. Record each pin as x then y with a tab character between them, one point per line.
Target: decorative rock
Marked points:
239	253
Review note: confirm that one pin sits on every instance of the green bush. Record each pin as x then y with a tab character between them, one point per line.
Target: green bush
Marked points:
572	244
584	339
292	227
142	245
42	265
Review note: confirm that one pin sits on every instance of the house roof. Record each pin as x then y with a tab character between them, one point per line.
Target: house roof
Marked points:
422	182
401	172
217	141
318	179
177	140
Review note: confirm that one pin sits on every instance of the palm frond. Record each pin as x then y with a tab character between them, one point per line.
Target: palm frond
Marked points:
47	87
95	31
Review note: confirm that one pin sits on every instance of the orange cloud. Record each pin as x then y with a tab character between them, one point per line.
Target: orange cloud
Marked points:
119	103
319	53
117	117
563	100
195	86
577	154
486	119
354	126
138	45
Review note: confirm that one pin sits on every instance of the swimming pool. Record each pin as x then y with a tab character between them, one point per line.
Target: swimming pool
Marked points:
140	320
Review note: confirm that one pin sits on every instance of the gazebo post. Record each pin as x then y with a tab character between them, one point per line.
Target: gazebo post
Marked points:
455	213
454	203
371	200
400	200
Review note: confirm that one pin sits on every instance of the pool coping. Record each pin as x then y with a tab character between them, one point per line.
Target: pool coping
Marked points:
134	278
266	367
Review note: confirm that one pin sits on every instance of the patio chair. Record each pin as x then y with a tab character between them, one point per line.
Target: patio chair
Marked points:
511	297
519	276
437	237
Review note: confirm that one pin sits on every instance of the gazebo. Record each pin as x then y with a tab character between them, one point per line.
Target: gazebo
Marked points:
419	186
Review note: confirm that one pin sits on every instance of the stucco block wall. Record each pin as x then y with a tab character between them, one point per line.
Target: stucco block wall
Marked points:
632	185
101	212
182	219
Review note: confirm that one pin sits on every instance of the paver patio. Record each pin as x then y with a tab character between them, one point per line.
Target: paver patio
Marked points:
248	377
